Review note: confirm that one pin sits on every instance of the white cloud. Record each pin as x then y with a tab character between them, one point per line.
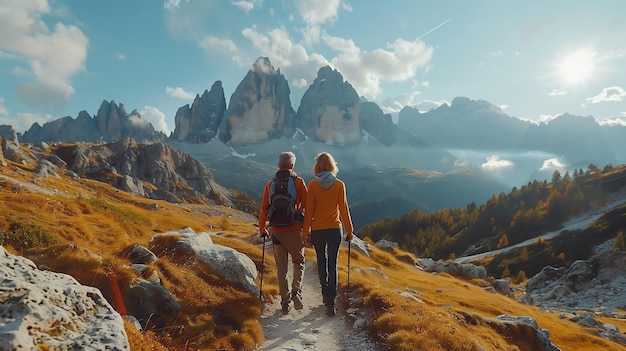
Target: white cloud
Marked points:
613	121
366	69
211	43
552	163
496	163
53	55
545	119
4	112
299	83
179	93
120	56
172	4
557	92
608	94
291	58
462	164
246	6
315	12
156	118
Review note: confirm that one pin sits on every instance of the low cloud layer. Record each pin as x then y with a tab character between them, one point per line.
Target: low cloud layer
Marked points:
496	163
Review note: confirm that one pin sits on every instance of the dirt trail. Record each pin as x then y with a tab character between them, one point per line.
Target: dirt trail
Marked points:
310	328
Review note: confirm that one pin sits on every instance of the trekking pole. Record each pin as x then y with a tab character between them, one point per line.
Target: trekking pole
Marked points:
349	246
262	268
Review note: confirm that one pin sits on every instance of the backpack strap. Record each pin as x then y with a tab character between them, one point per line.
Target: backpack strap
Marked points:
291	185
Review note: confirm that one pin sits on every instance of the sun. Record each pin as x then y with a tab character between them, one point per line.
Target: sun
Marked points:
577	67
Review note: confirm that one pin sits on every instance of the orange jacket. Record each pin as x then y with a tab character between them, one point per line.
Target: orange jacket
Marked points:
327	208
301	198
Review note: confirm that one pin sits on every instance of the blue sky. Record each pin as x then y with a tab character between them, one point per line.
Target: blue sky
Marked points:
535	59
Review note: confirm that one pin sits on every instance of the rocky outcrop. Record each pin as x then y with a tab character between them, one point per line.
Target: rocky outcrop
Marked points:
596	285
44	310
260	108
329	110
8	132
111	123
200	122
125	164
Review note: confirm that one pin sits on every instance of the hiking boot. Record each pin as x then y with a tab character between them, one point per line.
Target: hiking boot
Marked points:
330	310
297	301
285	307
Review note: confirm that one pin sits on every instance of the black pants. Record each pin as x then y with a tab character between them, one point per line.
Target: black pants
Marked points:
326	243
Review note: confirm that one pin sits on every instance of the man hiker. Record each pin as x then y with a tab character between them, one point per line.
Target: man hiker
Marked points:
282	207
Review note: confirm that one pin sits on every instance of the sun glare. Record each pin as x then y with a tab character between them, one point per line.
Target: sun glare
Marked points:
577	67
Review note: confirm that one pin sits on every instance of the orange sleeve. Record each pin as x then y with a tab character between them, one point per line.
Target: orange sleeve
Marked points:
344	210
302	191
309	209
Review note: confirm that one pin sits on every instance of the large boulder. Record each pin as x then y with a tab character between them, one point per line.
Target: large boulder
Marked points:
8	132
46	310
231	264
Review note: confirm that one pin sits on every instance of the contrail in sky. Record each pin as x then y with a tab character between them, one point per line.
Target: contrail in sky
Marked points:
436	27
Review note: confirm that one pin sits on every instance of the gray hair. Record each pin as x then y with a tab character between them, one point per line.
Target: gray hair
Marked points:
286	160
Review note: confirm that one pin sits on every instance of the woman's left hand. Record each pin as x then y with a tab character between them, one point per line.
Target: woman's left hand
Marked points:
349	236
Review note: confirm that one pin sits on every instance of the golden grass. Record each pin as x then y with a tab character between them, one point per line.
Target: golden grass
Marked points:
101	222
453	315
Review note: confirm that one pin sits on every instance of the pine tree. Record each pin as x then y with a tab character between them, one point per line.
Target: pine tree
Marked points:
503	242
506	272
523	256
619	242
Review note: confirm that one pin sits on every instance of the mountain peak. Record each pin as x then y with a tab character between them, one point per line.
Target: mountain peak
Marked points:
263	65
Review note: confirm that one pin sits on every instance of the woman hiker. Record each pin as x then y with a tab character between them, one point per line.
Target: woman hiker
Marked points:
326	212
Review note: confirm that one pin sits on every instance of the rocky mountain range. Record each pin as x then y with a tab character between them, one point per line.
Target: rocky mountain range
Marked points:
259	122
111	123
479	125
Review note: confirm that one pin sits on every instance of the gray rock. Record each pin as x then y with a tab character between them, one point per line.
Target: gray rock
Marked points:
596	285
9	133
542	336
260	108
231	264
174	175
359	245
42	307
11	151
132	185
465	270
44	168
151	304
138	254
329	110
200	122
386	245
57	161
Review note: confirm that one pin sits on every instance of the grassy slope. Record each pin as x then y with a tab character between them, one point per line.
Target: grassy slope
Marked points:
103	221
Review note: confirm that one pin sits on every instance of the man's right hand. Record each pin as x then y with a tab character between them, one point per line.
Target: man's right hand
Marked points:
265	233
